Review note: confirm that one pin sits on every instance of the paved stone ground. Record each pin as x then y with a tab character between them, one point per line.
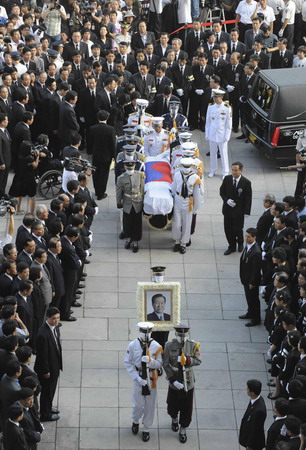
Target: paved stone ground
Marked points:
94	391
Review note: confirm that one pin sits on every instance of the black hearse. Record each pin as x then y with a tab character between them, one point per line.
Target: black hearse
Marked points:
276	112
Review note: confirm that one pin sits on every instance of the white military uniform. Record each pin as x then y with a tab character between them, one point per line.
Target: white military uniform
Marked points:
143	405
217	132
197	168
184	208
156	143
146	120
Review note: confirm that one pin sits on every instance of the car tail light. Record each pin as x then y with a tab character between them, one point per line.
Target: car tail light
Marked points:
275	137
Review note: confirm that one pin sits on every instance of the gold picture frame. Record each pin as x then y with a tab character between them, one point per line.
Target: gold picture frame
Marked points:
159	303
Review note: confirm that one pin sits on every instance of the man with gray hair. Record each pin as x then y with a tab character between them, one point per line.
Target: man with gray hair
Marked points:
266	219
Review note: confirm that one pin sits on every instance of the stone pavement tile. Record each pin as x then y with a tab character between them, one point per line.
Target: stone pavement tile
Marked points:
143	256
100	377
216	419
218	440
259	334
174	271
104	345
247	348
210	347
104	226
235	302
198	286
132	268
254	362
164	420
129	284
214	361
168	440
99	417
106	269
86	329
195	257
165	256
128	441
212	330
67	439
231	286
106	241
94	359
227	271
101	284
233	315
239	378
102	255
213	398
96	300
125	418
71	345
213	380
48	436
69	406
218	230
47	446
125	397
127	300
99	397
203	301
71	375
241	399
201	315
213	206
208	270
99	438
204	242
118	328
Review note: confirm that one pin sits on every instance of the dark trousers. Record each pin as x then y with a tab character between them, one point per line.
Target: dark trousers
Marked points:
277	24
299	188
71	279
100	177
233	227
298	25
197	111
3	180
180	402
243	27
252	298
132	225
56	301
288	34
48	388
235	104
154	23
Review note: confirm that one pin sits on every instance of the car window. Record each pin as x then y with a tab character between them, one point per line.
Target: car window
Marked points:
263	95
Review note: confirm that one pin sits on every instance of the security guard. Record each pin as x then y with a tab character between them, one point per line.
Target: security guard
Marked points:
180	355
186	190
158	140
129	194
173	120
218	131
140	118
142	360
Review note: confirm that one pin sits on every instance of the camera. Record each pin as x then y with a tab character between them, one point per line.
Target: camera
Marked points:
7	40
77	165
5	204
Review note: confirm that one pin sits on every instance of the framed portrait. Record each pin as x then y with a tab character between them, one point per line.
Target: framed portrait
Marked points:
159	303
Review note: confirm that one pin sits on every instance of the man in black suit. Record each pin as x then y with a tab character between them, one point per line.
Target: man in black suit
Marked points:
38	232
30	423
54	267
26	255
106	97
251	34
140	38
96	55
25	307
160	79
251	433
216	62
266	219
150	57
194	38
68	122
81	83
48	363
250	277
54	107
22	132
7	276
144	81
102	156
234	44
182	78
158	305
264	62
297	404
75	45
5	153
13	434
84	195
5	102
232	74
282	58
19	108
161	103
123	55
24	231
281	411
162	47
236	193
247	80
86	103
290	211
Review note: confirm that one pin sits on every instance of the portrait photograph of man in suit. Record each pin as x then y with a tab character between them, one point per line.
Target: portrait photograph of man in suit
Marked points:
158	306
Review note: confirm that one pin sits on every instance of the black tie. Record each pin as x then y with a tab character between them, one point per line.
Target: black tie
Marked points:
7	134
234	48
234	68
217	40
245	251
110	67
93	94
78	67
184	191
149	58
215	63
165	106
158	83
197	36
235	184
144	82
77	46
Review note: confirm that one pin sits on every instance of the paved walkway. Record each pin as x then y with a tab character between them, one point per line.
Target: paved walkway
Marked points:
95	391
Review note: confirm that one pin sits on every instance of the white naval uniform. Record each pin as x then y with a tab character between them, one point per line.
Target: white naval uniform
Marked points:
155	143
183	211
198	169
217	132
143	405
146	120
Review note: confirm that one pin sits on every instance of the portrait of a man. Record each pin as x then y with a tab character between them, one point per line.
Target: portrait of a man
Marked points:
158	305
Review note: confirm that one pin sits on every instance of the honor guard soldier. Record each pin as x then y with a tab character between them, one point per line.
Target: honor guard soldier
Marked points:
176	147
128	131
186	190
180	355
218	132
158	140
143	360
173	120
140	118
129	154
129	194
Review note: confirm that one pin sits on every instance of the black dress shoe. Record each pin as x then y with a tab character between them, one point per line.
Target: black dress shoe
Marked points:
252	323
121	235
55	411
145	436
76	304
71	312
135	247
78	292
245	316
183	437
176	247
135	428
229	251
242	136
77	297
235	130
69	319
188	243
208	154
84	275
127	245
86	261
102	197
174	426
271	384
269	361
182	249
81	286
50	418
240	248
82	279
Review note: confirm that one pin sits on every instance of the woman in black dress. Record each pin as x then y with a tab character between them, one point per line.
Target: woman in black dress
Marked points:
104	41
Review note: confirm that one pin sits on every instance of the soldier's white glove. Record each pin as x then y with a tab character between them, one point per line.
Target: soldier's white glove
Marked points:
173	130
231	203
145	359
141	128
230	88
96	209
263	255
281	33
199	91
142	382
247	215
82	119
263	245
178	385
180	92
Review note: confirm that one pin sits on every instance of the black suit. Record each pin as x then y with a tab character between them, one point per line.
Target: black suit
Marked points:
292	220
103	101
137	42
68	123
101	156
182	81
6	358
240	48
53	125
86	109
30	106
165	81
144	89
158	51
21	236
160	107
84	195
273	433
234	217
264	62
218	68
154	317
297	407
71	265
40	243
48	360
24	257
6	108
263	225
69	50
21	133
54	267
192	42
31	426
5	158
13	437
197	114
89	61
233	78
17	114
278	62
250	274
5	285
251	433
25	311
152	61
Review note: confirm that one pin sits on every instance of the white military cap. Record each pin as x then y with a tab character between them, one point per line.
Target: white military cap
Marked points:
189	145
145	326
142	102
217	93
187	162
157	120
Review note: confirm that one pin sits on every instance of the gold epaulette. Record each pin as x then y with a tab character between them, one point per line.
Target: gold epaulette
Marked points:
153	90
196	348
149	115
143	175
166	131
133	114
226	102
149	132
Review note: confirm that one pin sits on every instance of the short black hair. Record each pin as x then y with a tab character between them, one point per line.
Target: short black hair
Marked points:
14	412
23	353
52	311
254	386
12	368
239	164
293	424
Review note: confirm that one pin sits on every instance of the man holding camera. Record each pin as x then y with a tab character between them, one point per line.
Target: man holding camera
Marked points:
52	14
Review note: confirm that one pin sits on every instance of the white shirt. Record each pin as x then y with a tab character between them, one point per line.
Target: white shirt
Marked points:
254	399
289	12
297	62
304	11
268	13
276	5
246	10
